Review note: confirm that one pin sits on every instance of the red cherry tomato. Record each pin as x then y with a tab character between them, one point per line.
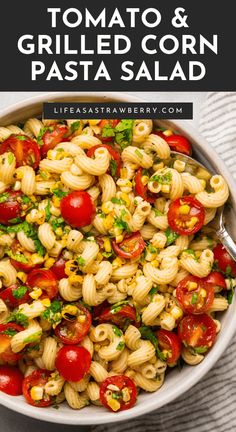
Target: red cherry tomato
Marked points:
112	123
197	331
77	209
224	261
53	137
125	385
182	222
7	331
22	260
215	279
58	268
73	362
11	207
37	378
26	150
131	247
15	295
141	189
171	343
11	380
44	279
71	332
118	314
179	143
115	157
195	295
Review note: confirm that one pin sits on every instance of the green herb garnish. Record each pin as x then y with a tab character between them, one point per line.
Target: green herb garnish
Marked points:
19	318
162	178
120	346
171	236
148	334
116	331
18	293
75	126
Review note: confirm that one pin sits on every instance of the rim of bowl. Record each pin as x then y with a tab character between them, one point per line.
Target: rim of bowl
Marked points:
208	153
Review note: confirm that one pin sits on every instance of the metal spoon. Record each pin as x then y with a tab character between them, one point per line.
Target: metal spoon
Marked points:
220	230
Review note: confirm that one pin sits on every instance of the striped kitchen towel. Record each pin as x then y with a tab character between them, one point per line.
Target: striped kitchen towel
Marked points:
210	406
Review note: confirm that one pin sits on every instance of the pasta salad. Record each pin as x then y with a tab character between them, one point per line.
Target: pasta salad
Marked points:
110	271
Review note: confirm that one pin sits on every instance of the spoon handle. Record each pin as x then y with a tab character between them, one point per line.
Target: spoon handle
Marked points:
227	241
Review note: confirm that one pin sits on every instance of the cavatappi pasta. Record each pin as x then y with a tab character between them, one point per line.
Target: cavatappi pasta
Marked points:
106	249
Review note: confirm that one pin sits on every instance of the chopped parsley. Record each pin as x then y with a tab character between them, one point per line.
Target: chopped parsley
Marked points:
118	306
18	293
10	158
119	223
15	220
117	331
33	338
113	168
120	346
162	178
194	298
122	133
153	291
25	199
19	318
58	223
80	261
9	332
171	236
201	349
17	257
4	197
190	252
107	254
231	292
148	334
228	270
157	212
119	201
30	231
151	249
47	211
42	131
53	313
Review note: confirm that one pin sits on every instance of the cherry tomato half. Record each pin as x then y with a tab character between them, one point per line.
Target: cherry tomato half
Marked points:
73	330
44	279
224	261
115	157
215	279
7	331
38	378
11	380
10	208
77	208
15	295
53	137
186	215
118	314
141	189
131	247
26	150
22	260
170	342
197	331
58	268
112	123
73	362
195	295
179	143
127	390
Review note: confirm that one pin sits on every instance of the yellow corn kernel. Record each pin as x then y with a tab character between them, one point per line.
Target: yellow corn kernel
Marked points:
59	231
158	166
117	262
168	132
36	293
49	262
107	244
192	222
203	292
36	393
123	173
22	276
107	207
70	267
203	183
176	312
155	263
69	309
113	404
184	209
36	259
165	188
144	179
125	394
19	175
81	319
99	257
75	279
94	122
119	238
125	197
46	302
56	201
28	218
51	154
108	222
191	286
117	231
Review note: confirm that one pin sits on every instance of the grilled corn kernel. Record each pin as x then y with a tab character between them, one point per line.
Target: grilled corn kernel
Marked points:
155	263
36	293
165	188
107	207
71	267
176	312
36	259
81	319
144	180
119	238
184	209
94	122
192	222
36	393
117	262
22	276
107	244
125	197
46	302
168	132
113	404
203	183
117	231
70	310
191	286
75	279
19	175
108	222
49	262
158	166
56	201
203	293
123	173
59	231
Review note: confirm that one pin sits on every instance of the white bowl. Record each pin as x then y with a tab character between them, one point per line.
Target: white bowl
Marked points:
176	383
